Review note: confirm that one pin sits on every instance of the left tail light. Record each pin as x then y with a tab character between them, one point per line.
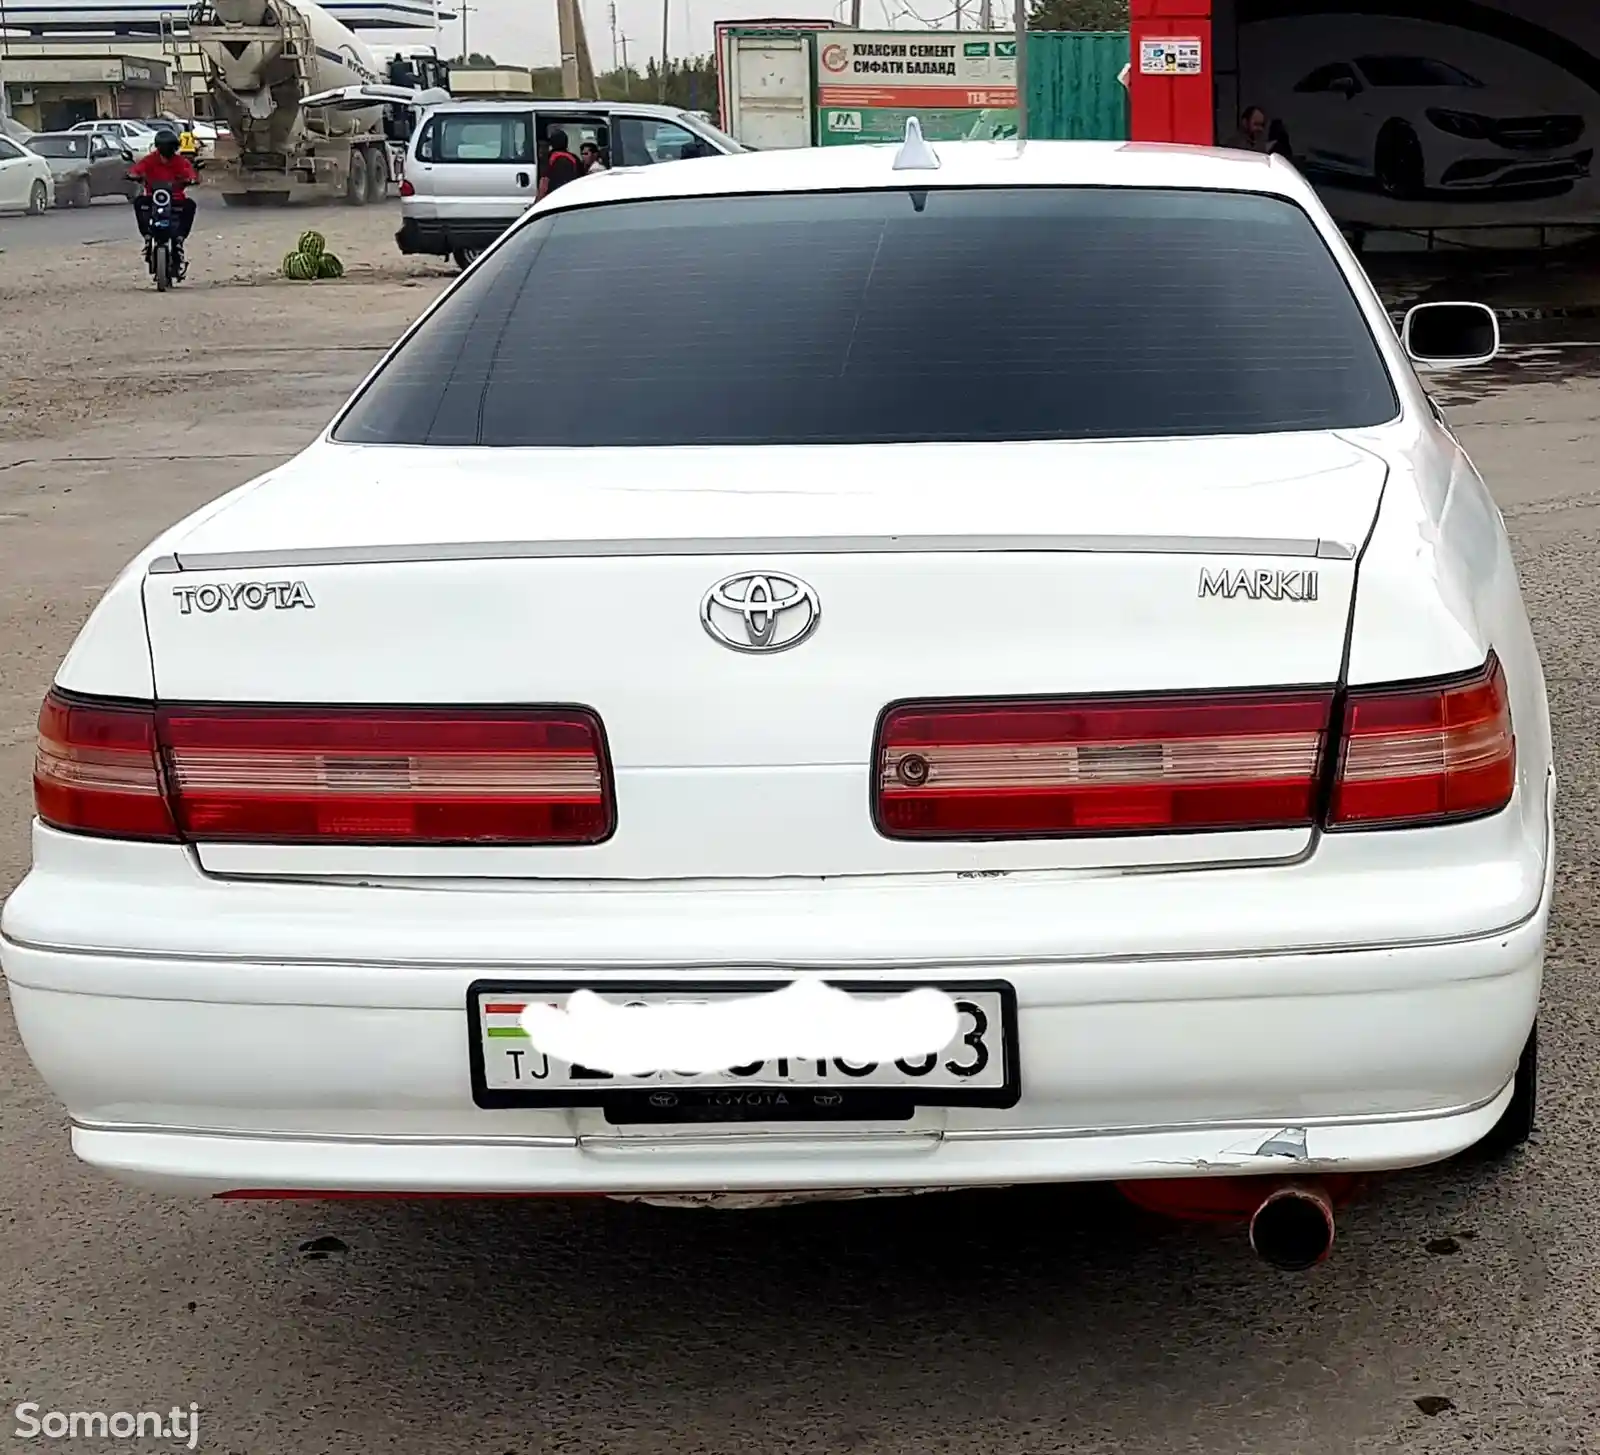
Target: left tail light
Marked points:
97	770
406	189
325	775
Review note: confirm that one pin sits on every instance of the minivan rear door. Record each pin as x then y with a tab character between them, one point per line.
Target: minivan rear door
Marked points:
477	166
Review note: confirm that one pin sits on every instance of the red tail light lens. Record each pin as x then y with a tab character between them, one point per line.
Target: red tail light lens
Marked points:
96	770
406	189
387	775
1426	753
1138	765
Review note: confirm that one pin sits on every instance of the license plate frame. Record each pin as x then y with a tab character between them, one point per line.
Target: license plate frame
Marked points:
633	1105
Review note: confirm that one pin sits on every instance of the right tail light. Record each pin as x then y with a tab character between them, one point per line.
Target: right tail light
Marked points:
1404	755
1425	753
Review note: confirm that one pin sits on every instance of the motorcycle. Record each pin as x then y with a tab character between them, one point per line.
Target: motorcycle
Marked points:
163	248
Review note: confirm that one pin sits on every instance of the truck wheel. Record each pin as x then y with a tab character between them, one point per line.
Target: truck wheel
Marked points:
377	175
356	185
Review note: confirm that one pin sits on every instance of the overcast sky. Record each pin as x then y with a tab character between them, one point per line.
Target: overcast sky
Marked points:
523	32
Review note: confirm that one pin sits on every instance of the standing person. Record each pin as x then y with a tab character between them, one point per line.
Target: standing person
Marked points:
592	160
188	144
165	166
560	166
1252	133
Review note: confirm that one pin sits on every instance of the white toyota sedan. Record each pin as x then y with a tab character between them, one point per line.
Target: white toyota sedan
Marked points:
1032	572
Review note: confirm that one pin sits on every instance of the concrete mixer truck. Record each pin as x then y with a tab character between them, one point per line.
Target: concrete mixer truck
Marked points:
268	64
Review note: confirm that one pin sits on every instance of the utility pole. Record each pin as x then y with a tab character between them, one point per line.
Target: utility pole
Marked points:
627	70
958	14
586	82
986	15
1022	69
5	55
855	14
567	44
613	35
666	15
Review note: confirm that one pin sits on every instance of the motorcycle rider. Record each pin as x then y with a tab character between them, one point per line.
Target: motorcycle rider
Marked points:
165	166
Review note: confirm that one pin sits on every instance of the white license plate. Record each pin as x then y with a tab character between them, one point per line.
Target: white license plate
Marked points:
979	1067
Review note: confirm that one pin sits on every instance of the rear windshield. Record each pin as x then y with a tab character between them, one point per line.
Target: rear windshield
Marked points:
882	317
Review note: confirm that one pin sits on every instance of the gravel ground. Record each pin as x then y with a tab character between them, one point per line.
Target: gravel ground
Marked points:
1458	1314
80	322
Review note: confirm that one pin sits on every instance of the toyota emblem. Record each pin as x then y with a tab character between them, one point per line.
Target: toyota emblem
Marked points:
760	611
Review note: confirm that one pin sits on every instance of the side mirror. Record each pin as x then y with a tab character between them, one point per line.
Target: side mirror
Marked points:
1451	335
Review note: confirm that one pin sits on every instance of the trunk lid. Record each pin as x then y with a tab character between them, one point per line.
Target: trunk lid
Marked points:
409	576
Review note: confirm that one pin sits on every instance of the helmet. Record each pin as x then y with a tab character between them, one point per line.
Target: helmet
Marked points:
167	143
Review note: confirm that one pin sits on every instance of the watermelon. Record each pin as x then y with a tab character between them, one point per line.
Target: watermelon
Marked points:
312	244
299	267
329	266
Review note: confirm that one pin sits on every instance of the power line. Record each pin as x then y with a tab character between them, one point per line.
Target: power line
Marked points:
924	21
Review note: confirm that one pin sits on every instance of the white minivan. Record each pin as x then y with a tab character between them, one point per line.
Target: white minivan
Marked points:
473	167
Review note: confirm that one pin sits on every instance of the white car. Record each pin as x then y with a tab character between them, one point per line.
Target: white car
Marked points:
26	182
1415	125
474	167
1133	657
133	136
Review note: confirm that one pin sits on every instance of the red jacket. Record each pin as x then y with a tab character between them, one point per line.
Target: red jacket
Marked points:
155	170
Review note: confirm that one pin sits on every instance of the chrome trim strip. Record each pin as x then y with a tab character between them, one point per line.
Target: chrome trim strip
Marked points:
384	1139
923	1134
747	546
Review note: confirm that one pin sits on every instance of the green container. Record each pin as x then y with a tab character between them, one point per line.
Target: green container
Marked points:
1073	90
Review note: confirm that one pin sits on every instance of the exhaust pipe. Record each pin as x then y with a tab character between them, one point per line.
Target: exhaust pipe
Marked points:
1292	1227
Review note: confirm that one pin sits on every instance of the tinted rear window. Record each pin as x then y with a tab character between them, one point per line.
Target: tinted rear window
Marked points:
879	317
60	146
486	138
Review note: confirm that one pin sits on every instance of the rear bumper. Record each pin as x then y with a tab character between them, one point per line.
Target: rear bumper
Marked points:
209	1071
432	238
200	1162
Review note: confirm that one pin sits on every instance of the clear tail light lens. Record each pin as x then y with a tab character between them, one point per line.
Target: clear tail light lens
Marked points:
387	775
1426	753
1134	765
96	769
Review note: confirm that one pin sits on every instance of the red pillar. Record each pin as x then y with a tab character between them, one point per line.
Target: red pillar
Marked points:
1170	78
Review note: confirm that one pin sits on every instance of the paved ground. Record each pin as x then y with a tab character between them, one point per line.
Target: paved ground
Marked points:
1459	1313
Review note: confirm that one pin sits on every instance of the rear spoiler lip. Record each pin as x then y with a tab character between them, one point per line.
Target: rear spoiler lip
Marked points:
1151	545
